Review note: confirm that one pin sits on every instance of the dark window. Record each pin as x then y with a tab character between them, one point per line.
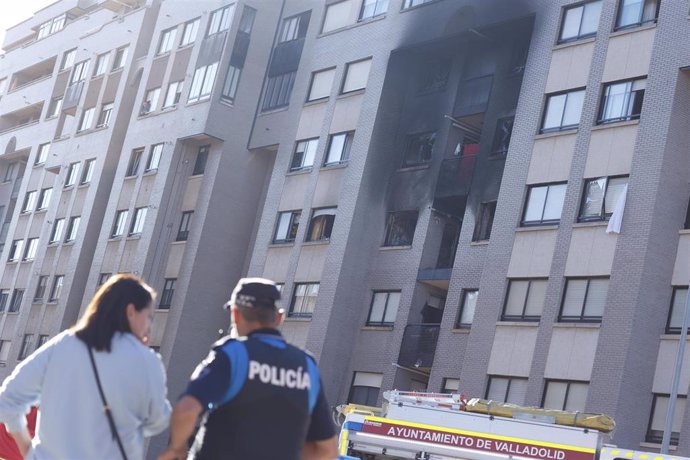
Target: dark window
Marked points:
563	111
56	233
278	91
138	221
504	130
434	75
677	310
201	158
167	294
634	13
601	196
485	220
365	388
120	58
686	225
339	148
43	338
4	296
72	174
467	307
87	174
154	157
580	21
72	229
290	30
584	299
26	346
524	300
16	250
384	308
657	418
419	149
622	101
372	8
506	389
305	151
232	81
9	172
286	227
16	302
321	224
119	224
544	204
56	290
247	20
185	224
565	395
400	227
134	161
303	301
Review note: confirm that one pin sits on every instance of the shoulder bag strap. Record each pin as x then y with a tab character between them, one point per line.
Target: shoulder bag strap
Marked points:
106	408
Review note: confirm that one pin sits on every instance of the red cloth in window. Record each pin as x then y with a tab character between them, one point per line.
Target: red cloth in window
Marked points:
8	448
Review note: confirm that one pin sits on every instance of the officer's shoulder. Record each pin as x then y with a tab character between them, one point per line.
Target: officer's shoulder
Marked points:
226	341
309	355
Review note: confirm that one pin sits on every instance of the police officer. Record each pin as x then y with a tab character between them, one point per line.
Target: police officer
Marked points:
262	398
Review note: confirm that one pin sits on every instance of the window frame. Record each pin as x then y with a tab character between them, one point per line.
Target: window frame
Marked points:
670	329
374	14
105	115
603	215
561	127
86	122
654	438
227	13
166	42
41	287
101	67
382	322
72	174
134	162
306	154
344	155
580	35
327	228
154	159
190	38
16	301
311	84
523	317
16	251
293	223
29	203
42	153
278	91
25	349
167	294
567	392
136	227
185	225
511	379
582	318
172	98
57	230
30	249
56	288
87	171
119	223
542	221
303	313
388	241
203	82
44	199
641	21
72	229
346	73
120	60
372	401
630	99
201	160
459	324
482	233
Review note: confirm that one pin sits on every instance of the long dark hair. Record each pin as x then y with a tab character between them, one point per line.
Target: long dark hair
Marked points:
107	311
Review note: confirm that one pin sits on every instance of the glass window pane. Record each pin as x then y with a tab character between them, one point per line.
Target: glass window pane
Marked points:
596	297
616	103
577	397
535	204
321	84
631	12
517	391
337	15
535	299
336	148
517	293
357	74
571	23
498	388
377	307
283	225
590	18
554	202
392	307
310	152
573	108
594	198
614	191
554	111
555	395
468	307
574	298
678	308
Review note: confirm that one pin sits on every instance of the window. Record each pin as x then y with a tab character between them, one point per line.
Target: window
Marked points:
339	148
4	296
337	16
68	59
524	300
584	299
103	277
16	302
220	19
4	350
580	21
303	300
31	247
154	157
356	76
278	91
232	80
450	385
56	233
185	224
190	30
52	26
600	197
622	101
87	174
507	389
72	229
134	161
678	305
79	72
657	419
120	58
86	119
371	8
42	339
150	103
286	228
410	3
365	388
419	148
167	40
202	83
504	131
544	204
56	289
633	13
563	111
29	201
321	224
468	307
201	158
26	346
72	174
119	224
384	308
101	64
167	294
247	20
400	227
305	151
321	84
54	107
44	199
9	172
42	154
172	97
41	288
565	395
290	29
104	117
16	250
138	221
485	220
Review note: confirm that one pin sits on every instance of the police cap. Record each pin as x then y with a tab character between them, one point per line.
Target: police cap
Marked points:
254	293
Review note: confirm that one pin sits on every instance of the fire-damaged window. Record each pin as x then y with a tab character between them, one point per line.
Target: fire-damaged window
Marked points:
321	224
286	226
565	395
580	21
434	75
419	149
621	101
400	226
657	419
504	129
484	222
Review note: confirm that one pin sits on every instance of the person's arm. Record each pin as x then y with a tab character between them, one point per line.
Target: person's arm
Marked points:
326	449
182	424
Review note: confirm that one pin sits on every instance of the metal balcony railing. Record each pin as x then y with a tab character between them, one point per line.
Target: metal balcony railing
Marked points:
418	346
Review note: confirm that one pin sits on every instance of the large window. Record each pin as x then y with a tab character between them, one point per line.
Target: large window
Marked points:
580	21
384	308
506	389
191	28
303	300
172	97
321	224
400	227
56	289
356	76
286	228
321	83
484	222
154	157
220	19
584	299
371	8
278	91
600	197
185	225
544	204
56	233
565	395
119	224
305	151
167	294
657	419
72	229
467	307
524	300
134	162
202	83
167	40
633	13
419	149
339	148
138	221
563	111
365	388
622	101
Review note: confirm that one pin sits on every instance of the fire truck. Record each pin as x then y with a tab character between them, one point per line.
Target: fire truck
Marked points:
434	426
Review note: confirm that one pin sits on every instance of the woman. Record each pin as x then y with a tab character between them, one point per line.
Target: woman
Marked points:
60	378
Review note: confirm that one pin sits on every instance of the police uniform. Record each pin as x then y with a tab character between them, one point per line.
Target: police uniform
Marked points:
263	399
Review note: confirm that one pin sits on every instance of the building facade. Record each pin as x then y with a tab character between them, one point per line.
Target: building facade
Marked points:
479	196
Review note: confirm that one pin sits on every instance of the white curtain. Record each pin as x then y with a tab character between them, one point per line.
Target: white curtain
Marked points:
617	217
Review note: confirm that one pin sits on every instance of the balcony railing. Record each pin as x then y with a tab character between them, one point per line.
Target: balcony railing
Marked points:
419	346
455	176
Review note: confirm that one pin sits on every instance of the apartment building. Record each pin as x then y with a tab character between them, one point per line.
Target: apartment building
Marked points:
479	196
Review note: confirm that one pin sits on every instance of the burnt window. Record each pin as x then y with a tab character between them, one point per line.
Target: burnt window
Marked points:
400	227
321	224
419	149
504	130
484	222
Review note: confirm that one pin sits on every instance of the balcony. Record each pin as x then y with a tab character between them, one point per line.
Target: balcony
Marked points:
455	176
32	74
437	277
419	346
20	118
